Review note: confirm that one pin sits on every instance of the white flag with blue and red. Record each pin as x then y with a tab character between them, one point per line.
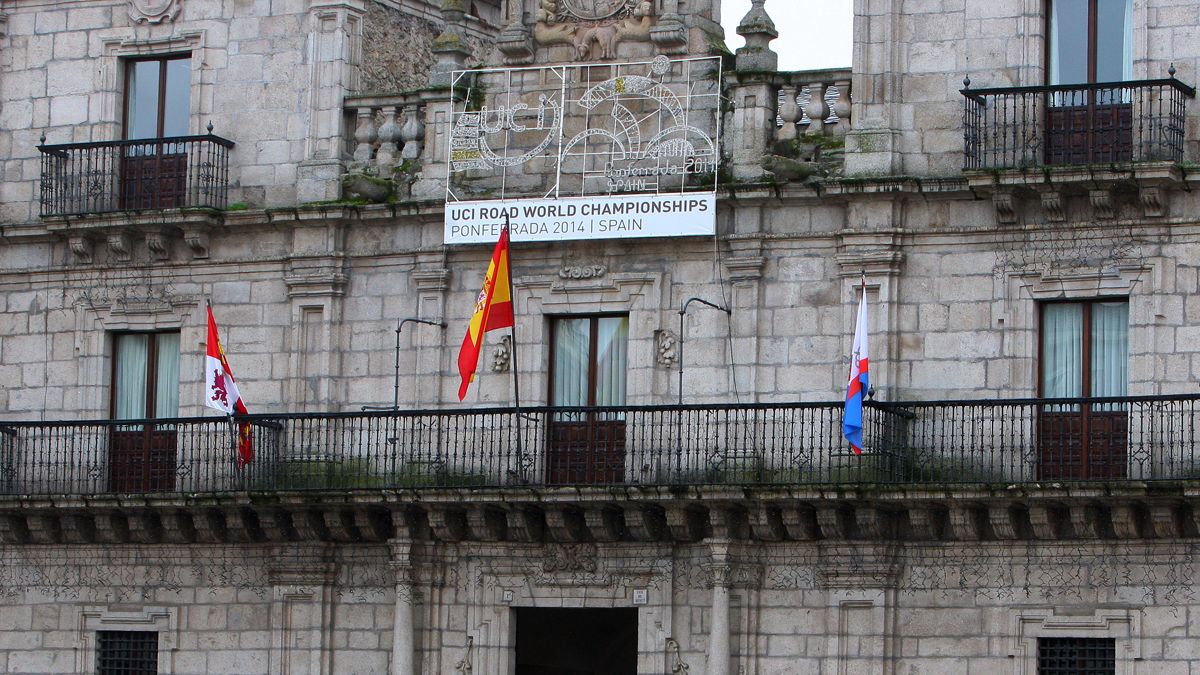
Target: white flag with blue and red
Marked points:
856	387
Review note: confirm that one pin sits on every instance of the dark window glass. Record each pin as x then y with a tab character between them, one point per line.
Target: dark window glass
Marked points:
126	652
1077	656
1090	41
157	101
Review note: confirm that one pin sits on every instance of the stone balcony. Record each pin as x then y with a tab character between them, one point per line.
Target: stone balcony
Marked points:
1052	143
1076	468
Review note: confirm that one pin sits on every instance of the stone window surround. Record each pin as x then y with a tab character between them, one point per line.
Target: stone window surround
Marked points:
1018	305
1123	624
110	83
93	618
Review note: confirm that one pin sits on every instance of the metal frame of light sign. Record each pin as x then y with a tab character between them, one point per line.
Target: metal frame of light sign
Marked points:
595	151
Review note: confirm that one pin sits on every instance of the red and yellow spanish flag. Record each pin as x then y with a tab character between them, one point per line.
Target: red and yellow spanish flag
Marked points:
493	310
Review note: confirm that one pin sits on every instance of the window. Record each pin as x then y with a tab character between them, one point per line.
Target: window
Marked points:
588	369
1084	353
1077	656
126	652
157	106
145	386
1089	41
157	97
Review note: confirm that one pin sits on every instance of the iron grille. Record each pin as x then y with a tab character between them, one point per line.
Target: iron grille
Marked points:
1078	124
1077	656
126	652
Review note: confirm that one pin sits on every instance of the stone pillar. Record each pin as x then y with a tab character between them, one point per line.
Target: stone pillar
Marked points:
873	146
334	54
403	628
718	637
752	121
451	46
302	610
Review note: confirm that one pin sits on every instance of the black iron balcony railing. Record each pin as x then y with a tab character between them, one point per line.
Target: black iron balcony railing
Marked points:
1008	441
1108	123
156	173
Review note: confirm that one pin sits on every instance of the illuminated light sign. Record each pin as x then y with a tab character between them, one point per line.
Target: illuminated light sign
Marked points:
584	151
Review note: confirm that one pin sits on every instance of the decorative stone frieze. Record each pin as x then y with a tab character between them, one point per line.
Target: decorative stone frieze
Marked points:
593	29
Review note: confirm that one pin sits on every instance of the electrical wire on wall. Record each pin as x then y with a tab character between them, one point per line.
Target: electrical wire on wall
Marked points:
719	264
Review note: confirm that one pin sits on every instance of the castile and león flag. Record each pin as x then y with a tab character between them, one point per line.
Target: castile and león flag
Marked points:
222	391
858	384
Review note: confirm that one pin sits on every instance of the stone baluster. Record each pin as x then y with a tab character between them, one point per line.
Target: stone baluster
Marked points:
412	134
841	107
789	112
817	109
389	133
365	135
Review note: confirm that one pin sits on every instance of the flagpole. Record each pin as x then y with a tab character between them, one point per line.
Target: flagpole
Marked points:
234	432
513	343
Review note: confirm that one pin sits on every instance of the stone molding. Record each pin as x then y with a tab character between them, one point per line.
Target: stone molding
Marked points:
162	620
1123	624
594	517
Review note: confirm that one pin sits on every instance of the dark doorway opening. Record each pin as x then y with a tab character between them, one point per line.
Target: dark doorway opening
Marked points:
576	641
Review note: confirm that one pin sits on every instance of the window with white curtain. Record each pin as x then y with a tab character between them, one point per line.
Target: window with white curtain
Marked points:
1090	41
1085	349
145	375
589	360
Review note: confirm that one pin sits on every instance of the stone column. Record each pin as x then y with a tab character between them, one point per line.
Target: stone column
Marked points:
403	628
718	637
872	147
302	610
334	46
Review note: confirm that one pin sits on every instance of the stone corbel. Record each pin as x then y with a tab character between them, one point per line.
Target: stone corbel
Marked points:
1005	203
670	34
516	43
119	245
159	244
82	247
1154	201
196	239
745	269
1102	203
1052	204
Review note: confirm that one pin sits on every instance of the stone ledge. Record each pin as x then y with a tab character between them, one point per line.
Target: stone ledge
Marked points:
1053	511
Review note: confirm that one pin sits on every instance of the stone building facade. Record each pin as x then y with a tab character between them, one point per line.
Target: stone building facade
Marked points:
1024	234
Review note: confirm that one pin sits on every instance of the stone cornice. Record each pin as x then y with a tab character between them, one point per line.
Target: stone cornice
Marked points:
851	513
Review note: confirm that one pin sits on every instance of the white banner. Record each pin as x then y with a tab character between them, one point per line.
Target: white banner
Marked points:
601	217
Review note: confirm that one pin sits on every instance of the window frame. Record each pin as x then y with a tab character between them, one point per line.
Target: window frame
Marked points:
152	362
1077	643
128	65
1092	39
593	335
103	667
1085	385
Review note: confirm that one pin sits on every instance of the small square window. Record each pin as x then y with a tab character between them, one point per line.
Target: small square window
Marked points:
1077	656
126	652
